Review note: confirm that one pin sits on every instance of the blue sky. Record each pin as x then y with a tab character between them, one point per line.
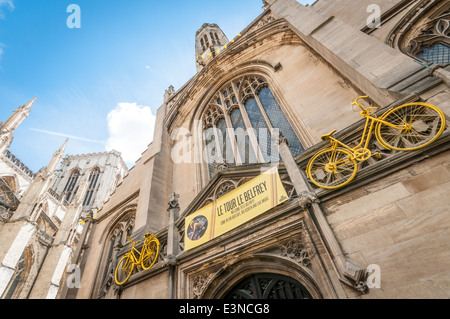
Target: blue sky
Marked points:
96	82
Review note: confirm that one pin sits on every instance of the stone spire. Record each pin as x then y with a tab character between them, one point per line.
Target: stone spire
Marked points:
10	125
50	169
18	116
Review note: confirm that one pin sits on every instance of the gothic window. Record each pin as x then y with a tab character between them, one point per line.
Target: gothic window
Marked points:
203	44
247	107
93	183
438	53
279	120
243	144
206	41
427	35
116	239
259	126
18	280
70	189
212	38
217	38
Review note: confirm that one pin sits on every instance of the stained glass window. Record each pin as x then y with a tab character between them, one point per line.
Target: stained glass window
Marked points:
259	127
225	142
242	139
263	116
211	149
438	53
279	120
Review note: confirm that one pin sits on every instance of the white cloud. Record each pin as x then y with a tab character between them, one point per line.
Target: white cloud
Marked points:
131	128
5	3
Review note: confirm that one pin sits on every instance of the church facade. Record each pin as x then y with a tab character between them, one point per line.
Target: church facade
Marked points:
294	70
44	216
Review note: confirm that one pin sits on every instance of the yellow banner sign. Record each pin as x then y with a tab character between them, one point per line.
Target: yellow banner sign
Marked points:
234	209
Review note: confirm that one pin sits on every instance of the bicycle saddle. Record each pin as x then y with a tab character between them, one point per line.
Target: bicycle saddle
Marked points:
327	136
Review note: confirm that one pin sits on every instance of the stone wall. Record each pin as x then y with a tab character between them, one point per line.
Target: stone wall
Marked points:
144	290
400	223
354	15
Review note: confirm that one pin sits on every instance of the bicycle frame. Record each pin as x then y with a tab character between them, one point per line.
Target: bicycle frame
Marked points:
407	127
132	255
367	129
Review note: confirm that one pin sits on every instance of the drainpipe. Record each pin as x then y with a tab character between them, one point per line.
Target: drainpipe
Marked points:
172	243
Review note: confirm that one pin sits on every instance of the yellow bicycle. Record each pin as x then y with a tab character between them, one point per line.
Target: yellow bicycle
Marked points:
145	258
408	127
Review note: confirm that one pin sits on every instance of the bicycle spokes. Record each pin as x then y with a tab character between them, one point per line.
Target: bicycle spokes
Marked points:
124	270
150	254
410	127
332	168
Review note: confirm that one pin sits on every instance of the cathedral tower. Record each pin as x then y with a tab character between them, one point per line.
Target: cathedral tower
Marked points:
209	40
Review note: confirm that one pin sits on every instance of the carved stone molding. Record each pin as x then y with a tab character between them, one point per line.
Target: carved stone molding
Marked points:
199	284
5	214
308	198
296	250
357	275
170	260
173	201
265	20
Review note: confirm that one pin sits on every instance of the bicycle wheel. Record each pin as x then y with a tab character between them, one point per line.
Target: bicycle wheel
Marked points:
331	169
150	253
418	125
124	270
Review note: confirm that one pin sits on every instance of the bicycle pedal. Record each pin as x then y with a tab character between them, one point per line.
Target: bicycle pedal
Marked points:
378	155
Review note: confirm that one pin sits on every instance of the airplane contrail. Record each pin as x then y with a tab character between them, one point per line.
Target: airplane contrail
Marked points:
68	136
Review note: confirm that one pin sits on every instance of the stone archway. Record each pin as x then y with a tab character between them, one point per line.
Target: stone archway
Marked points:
268	286
263	276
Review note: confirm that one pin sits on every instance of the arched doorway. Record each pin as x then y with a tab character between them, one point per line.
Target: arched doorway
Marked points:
268	286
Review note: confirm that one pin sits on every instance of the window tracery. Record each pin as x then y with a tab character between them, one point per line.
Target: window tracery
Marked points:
433	42
424	33
247	107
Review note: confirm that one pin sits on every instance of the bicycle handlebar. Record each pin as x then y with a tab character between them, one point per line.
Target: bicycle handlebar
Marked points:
356	102
361	107
131	241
